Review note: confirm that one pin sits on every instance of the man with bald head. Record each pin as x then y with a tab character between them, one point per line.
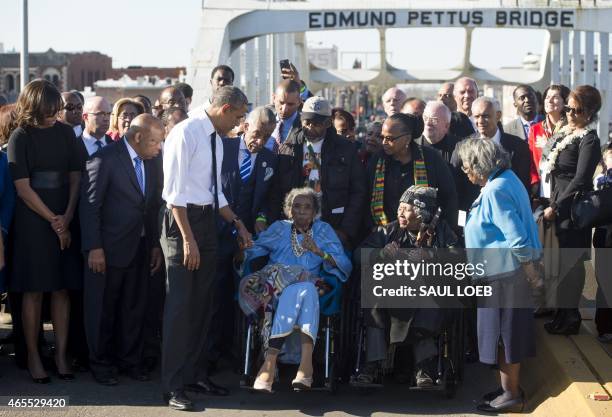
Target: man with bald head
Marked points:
445	95
72	112
393	99
119	206
465	92
172	97
96	115
414	106
436	119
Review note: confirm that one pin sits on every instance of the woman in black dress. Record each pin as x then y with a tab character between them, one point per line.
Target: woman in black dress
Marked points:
571	164
45	164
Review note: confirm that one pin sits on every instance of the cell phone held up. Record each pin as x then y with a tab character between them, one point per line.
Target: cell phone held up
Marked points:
285	64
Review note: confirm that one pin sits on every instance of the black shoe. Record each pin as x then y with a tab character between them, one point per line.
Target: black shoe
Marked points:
106	379
207	387
490	396
178	400
43	380
66	377
565	328
138	374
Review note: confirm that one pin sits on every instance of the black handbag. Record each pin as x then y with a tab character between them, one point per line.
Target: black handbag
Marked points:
592	209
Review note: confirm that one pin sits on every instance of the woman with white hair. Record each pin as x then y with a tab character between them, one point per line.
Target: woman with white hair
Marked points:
500	224
301	249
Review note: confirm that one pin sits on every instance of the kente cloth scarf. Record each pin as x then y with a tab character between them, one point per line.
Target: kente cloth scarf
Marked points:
377	204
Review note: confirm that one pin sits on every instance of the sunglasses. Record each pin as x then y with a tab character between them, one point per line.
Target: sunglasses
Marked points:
568	109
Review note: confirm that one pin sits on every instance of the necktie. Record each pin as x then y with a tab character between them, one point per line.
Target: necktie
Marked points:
99	144
245	166
139	173
278	136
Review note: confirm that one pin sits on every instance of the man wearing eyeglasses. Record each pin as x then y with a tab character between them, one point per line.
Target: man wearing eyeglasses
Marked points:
318	158
526	104
72	112
486	117
96	115
437	119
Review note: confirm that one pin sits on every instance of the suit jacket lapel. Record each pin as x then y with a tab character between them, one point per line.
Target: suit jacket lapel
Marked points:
126	161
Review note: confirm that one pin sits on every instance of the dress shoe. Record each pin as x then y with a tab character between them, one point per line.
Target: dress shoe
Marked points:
178	400
106	379
43	380
66	377
261	386
490	396
207	387
565	328
301	384
515	405
138	374
605	338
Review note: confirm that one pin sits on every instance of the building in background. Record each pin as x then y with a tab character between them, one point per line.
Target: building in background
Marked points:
149	84
82	71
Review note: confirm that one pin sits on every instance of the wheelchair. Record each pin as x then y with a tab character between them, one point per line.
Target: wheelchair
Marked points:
449	359
326	373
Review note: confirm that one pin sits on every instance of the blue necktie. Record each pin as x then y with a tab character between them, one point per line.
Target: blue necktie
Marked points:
99	144
139	173
245	166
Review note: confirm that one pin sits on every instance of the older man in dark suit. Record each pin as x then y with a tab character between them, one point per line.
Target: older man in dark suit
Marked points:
246	175
119	207
486	117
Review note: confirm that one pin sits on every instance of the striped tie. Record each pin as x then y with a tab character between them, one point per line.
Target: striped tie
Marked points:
99	144
139	173
278	136
245	166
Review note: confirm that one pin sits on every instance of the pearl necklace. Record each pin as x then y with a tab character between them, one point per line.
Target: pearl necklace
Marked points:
298	250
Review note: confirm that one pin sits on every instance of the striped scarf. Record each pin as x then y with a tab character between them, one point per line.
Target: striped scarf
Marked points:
378	192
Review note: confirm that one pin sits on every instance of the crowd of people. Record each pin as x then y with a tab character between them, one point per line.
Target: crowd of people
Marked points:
123	223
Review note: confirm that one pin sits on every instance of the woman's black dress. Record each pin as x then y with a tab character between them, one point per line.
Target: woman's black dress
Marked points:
574	172
46	157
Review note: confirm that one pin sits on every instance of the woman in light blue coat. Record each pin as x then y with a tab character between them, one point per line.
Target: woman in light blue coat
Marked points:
500	231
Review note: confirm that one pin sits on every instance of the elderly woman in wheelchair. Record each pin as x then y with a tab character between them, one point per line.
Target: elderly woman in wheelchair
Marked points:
418	225
301	251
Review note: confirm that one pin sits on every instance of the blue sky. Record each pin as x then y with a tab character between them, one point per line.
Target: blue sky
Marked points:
162	33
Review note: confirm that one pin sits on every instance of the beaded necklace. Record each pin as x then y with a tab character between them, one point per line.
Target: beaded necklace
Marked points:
298	250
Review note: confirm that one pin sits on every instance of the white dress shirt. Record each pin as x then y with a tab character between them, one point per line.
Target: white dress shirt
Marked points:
188	164
78	129
200	111
90	142
496	138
